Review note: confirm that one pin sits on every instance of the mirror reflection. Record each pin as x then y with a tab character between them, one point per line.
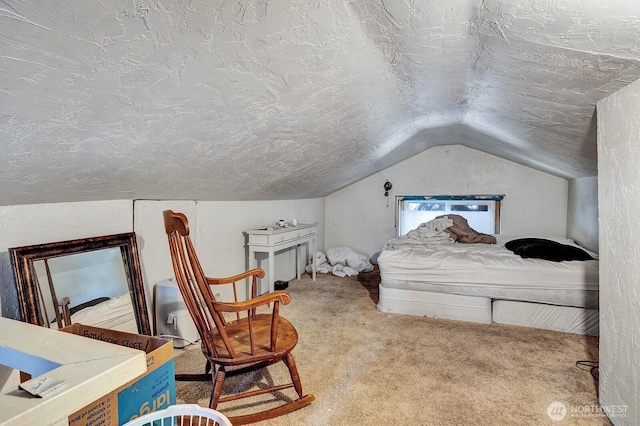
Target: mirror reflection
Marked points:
94	281
88	288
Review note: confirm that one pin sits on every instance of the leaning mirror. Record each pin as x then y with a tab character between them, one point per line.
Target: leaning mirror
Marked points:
94	281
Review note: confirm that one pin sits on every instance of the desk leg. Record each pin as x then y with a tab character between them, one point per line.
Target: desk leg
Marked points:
253	264
272	269
313	258
298	251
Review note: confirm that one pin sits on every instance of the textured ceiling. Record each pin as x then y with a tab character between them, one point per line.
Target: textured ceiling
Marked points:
251	99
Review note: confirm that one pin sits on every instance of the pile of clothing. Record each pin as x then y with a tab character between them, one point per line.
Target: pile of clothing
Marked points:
461	232
448	229
341	262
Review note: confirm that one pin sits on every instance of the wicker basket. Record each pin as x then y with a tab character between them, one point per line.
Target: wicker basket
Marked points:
182	415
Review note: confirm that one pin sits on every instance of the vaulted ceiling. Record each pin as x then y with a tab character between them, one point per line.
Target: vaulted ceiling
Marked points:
256	99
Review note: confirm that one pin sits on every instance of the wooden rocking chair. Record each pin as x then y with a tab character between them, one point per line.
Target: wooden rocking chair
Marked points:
251	341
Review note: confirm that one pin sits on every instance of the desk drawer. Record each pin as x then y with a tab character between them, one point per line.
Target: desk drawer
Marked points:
307	231
280	237
291	235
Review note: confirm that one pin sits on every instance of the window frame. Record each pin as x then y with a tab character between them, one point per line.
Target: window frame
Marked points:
496	199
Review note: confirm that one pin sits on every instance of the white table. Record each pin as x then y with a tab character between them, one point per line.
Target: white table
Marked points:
90	367
271	240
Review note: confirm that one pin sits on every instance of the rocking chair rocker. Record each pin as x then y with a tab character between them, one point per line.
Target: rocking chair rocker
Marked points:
249	342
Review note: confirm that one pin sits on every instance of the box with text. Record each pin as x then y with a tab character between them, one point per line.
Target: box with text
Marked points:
154	390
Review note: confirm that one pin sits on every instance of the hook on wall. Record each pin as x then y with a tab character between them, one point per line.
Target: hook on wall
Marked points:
387	187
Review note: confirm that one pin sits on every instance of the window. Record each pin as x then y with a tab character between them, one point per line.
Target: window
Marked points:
481	211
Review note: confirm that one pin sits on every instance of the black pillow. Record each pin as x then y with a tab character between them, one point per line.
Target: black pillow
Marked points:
514	245
540	248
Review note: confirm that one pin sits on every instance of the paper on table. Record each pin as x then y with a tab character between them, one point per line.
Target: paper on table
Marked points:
42	385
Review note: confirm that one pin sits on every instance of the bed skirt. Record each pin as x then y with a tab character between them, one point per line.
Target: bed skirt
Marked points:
484	310
435	305
567	319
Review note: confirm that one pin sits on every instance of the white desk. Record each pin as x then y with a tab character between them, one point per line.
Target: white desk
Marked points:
271	241
90	367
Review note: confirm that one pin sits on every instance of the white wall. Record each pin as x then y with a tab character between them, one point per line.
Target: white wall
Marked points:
217	232
582	214
535	202
619	204
43	223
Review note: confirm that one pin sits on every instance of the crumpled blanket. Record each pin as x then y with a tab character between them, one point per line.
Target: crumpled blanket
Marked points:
434	231
461	232
341	262
445	229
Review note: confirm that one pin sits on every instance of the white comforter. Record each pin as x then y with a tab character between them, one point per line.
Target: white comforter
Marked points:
432	232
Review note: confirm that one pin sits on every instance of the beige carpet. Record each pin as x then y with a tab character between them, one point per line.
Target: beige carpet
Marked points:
369	368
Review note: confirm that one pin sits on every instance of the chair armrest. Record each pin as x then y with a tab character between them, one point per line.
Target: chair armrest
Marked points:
65	313
277	296
228	280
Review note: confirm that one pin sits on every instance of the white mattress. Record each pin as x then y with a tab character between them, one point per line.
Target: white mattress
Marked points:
489	270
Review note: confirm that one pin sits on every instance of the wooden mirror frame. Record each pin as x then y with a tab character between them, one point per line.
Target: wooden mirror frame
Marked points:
23	258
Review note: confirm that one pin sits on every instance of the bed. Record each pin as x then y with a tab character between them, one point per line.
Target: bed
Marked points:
114	313
488	282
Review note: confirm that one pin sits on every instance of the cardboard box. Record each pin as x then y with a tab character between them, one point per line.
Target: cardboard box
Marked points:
154	390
